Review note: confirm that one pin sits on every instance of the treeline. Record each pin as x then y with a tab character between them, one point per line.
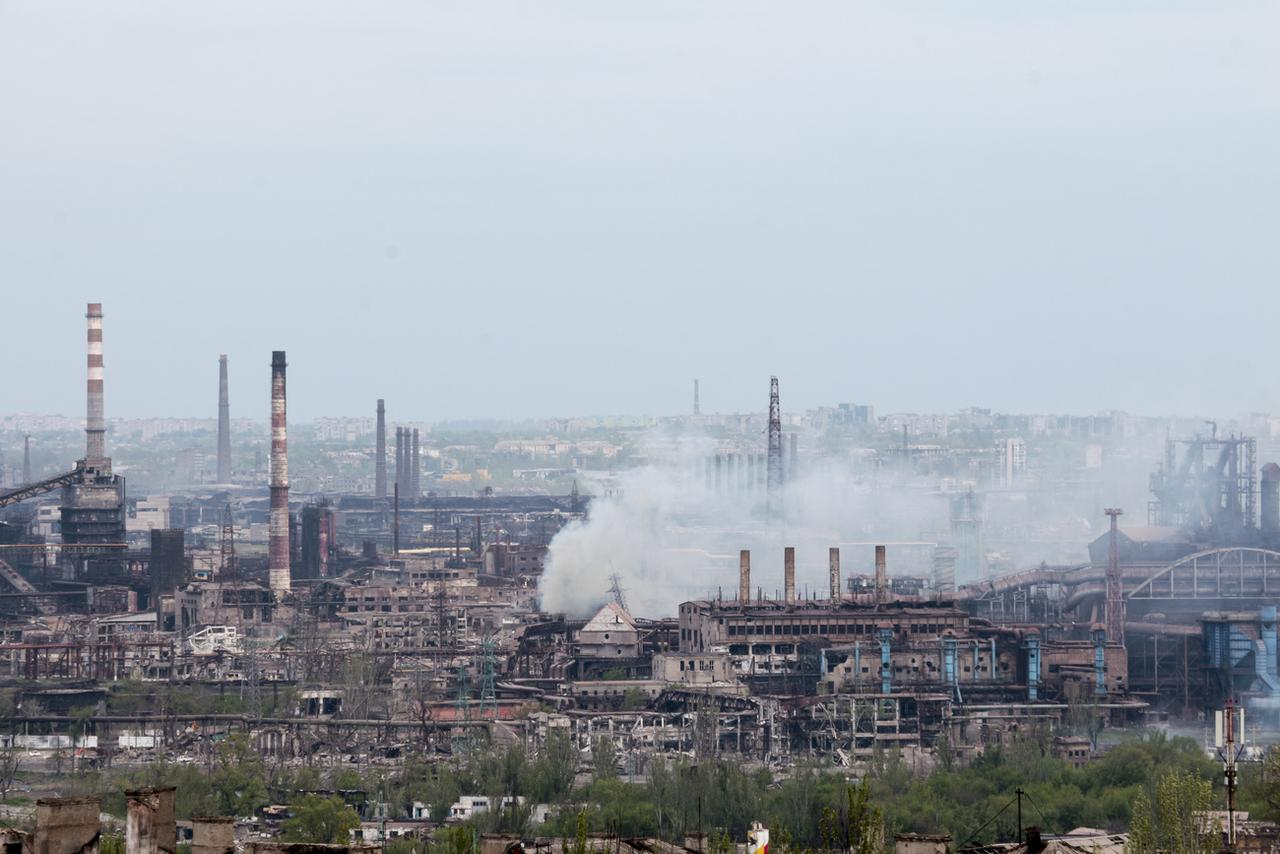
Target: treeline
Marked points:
807	806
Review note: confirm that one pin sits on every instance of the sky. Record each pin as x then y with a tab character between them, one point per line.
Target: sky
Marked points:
526	209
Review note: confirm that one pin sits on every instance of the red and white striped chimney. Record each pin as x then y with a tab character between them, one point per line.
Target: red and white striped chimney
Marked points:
95	428
278	522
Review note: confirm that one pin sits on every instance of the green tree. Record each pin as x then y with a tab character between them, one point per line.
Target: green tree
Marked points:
455	840
10	762
1141	834
1174	823
604	758
864	821
314	818
239	777
554	768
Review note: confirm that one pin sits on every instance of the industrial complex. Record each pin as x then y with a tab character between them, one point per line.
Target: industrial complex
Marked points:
408	609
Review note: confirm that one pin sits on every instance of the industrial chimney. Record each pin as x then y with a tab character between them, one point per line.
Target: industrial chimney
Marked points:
400	459
744	576
380	459
833	566
224	423
26	459
789	574
882	576
415	483
278	523
95	429
1270	503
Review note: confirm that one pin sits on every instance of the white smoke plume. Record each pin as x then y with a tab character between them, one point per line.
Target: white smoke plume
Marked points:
671	536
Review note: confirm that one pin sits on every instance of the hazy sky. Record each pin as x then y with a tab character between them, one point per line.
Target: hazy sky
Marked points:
537	208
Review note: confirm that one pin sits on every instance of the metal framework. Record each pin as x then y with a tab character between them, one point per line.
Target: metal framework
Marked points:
1227	573
31	490
1212	489
227	547
1115	582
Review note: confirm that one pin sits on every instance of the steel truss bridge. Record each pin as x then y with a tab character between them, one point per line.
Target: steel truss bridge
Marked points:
1047	593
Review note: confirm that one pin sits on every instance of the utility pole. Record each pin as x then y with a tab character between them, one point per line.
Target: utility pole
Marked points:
1224	737
1019	793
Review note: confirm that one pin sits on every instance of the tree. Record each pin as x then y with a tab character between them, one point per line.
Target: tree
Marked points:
238	779
1175	823
555	767
10	762
604	758
1141	834
455	840
944	753
1266	793
320	819
864	822
81	723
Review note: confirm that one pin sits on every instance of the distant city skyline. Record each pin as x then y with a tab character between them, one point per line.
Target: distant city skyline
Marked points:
581	210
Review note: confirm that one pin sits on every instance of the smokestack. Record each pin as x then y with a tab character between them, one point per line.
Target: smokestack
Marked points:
744	576
26	459
399	457
415	482
697	405
773	494
380	457
1115	582
402	466
882	576
833	567
278	523
326	523
793	456
789	574
395	530
95	428
1270	503
224	423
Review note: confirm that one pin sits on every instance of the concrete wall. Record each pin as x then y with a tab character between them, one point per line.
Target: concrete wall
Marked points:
213	835
150	827
66	826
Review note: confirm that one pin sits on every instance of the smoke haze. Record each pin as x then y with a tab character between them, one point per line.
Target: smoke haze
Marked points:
670	538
